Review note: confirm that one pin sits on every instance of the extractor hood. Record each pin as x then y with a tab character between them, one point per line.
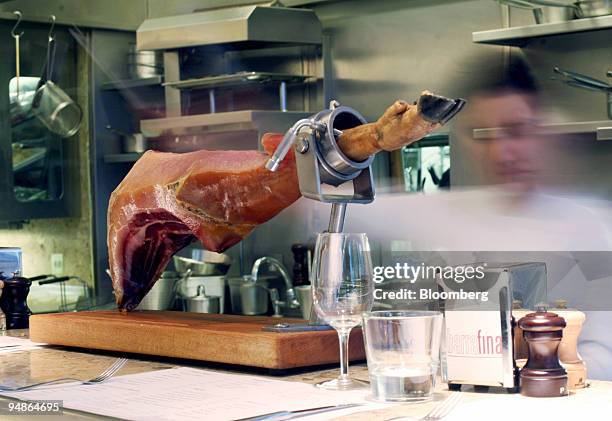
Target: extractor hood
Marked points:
238	27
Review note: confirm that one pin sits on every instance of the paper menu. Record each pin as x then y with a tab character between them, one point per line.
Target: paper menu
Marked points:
13	344
191	394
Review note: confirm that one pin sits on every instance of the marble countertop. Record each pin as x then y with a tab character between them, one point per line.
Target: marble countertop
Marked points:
41	364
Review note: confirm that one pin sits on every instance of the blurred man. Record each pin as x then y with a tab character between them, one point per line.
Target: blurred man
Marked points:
513	218
511	154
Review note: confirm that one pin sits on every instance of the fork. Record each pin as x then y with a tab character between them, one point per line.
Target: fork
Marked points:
102	377
439	412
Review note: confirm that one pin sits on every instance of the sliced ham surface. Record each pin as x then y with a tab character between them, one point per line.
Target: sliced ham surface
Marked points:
168	200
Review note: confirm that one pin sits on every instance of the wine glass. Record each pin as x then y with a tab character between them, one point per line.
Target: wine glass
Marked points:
342	289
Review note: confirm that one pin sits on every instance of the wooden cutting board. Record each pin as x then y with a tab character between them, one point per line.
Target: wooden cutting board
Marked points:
216	338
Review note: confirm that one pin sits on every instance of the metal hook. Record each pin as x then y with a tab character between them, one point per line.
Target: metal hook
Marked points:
19	17
51	34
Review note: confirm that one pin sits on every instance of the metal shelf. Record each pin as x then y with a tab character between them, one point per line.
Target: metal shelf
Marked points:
247	120
121	158
132	83
521	35
236	80
601	129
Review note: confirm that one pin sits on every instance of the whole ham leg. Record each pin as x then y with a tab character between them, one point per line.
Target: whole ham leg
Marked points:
169	200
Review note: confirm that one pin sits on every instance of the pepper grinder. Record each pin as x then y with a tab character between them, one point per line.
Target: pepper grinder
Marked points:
300	264
568	349
543	375
13	302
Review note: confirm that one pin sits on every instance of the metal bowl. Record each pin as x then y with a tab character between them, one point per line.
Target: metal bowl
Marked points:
209	264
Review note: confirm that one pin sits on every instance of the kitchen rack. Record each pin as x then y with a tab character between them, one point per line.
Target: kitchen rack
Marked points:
132	83
236	80
602	129
246	120
239	80
521	35
230	29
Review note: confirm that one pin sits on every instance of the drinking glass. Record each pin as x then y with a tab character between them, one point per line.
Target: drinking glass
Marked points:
342	289
403	352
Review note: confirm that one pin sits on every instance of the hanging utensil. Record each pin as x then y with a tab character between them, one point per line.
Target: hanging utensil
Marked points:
51	105
21	88
581	81
17	36
595	84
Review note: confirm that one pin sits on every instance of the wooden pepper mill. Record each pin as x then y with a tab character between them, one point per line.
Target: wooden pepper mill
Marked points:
300	265
13	302
568	349
543	375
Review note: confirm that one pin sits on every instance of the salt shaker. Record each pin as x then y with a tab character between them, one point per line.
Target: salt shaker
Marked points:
568	349
543	375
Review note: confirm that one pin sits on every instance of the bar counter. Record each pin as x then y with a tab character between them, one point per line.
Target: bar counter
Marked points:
41	364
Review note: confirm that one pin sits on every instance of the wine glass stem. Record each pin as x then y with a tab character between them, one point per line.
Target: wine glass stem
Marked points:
343	336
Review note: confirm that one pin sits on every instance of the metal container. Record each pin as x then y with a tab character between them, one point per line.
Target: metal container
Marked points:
555	14
131	143
234	289
145	64
161	296
592	8
134	143
304	296
202	303
253	299
214	285
210	263
56	110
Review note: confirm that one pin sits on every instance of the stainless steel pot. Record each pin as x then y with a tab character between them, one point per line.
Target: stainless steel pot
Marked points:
304	296
161	296
131	143
253	299
202	303
209	263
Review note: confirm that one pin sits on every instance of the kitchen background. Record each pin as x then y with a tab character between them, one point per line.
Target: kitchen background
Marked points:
373	52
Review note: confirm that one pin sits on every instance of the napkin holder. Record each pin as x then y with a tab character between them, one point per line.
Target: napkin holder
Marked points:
478	340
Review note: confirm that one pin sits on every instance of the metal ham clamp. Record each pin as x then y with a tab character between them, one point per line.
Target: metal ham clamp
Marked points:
321	161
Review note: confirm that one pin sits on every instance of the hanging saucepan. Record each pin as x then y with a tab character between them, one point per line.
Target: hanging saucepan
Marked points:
21	88
51	105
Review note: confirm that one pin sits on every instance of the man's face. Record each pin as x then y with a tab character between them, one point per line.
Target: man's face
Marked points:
513	154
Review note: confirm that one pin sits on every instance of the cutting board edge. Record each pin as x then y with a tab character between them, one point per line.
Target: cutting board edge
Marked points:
274	350
62	334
